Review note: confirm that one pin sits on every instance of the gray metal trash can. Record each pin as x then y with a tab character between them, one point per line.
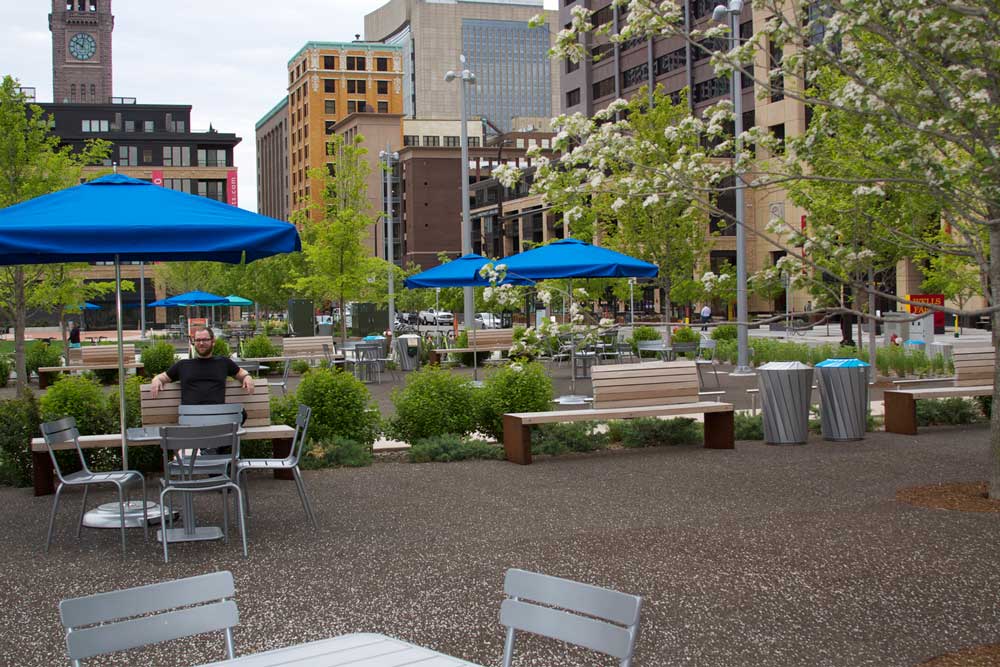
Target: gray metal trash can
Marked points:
408	352
324	329
785	388
843	391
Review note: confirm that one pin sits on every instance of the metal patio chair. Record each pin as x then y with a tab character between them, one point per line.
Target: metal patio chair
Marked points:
122	620
283	382
64	430
597	618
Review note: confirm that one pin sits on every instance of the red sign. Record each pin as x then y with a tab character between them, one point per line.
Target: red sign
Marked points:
231	189
196	323
157	177
933	299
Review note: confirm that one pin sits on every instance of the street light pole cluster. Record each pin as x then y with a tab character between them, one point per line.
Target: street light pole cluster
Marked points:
730	12
465	78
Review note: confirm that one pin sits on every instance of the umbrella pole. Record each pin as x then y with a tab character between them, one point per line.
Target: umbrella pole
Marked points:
572	344
121	361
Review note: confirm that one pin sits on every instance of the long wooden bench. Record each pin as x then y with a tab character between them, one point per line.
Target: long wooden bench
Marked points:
163	410
302	347
93	358
484	340
973	377
629	391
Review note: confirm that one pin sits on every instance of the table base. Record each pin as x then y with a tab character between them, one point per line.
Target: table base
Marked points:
200	534
109	516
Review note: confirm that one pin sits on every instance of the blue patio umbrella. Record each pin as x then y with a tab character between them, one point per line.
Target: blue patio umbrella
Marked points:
121	219
86	305
461	272
238	301
196	298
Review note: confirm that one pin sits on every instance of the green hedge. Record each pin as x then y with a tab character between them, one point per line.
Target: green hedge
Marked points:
341	407
452	447
558	438
158	357
519	387
433	402
19	423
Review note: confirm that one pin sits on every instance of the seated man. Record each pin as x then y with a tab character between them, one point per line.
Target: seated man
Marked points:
203	378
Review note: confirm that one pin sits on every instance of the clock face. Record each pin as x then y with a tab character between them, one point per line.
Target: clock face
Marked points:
82	46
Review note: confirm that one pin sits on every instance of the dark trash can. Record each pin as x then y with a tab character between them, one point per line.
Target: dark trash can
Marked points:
785	388
408	352
843	390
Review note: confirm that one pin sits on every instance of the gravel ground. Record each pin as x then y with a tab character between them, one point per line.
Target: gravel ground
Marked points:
757	556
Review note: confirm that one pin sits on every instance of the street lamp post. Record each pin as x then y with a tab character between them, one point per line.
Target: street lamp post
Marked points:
731	12
631	301
466	77
389	158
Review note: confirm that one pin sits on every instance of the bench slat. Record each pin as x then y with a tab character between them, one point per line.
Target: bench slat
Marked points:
268	432
599	414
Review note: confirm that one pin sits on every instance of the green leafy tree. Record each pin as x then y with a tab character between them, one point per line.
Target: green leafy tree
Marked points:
32	163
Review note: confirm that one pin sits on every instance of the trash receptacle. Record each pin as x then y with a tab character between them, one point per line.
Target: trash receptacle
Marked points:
785	388
408	352
323	329
843	391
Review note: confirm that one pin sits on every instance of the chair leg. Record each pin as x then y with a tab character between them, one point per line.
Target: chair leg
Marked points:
241	481
243	527
83	510
225	515
163	528
302	495
145	512
121	511
52	517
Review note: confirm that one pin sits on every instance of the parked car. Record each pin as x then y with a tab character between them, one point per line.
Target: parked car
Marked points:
432	316
487	321
407	318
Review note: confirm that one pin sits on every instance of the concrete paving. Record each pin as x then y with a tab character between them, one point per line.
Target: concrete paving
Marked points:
755	556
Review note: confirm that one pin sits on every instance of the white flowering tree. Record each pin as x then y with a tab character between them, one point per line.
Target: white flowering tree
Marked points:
916	80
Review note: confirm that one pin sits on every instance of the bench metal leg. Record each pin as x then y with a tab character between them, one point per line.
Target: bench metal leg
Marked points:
900	413
282	448
516	440
43	474
720	430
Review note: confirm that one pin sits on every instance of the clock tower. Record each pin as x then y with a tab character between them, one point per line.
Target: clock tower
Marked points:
81	51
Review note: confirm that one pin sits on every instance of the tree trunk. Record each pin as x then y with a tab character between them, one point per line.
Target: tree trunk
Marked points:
343	320
666	312
872	327
20	319
995	336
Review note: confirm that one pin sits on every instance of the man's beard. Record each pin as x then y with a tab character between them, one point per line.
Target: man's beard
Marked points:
206	354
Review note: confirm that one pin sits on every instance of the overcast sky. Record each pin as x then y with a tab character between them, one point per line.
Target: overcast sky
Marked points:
226	58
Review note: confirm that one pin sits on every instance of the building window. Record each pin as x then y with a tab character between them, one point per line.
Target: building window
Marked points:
212	157
147	155
382	87
453	142
383	107
572	66
707	90
603	88
128	156
700	8
130	126
213	190
72	91
330	106
573	97
93	92
176	156
411	140
635	76
352	106
669	62
329	62
329	85
356	86
602	16
473	142
778	132
179	184
356	63
95	125
148	126
432	140
329	126
381	64
777	79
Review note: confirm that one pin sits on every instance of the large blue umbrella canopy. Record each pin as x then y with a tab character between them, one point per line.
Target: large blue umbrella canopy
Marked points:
461	272
122	219
572	258
195	298
86	305
137	221
238	301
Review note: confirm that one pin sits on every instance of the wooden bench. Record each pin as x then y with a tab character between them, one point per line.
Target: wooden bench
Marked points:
301	347
973	377
163	410
484	340
630	391
93	358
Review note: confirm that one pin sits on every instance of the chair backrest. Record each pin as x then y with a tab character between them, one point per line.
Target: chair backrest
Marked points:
203	415
328	351
192	439
134	617
163	408
973	367
62	430
301	428
649	383
106	354
368	351
596	618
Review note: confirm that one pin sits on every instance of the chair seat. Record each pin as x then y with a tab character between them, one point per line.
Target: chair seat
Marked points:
200	484
265	464
84	477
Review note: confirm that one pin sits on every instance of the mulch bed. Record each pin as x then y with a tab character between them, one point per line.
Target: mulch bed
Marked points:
963	497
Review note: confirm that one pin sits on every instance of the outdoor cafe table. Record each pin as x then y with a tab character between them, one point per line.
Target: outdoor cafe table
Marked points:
370	650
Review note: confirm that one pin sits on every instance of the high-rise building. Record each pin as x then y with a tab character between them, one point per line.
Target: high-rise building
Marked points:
81	50
273	196
514	75
327	81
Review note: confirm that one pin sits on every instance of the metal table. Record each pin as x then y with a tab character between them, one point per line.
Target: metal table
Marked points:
370	650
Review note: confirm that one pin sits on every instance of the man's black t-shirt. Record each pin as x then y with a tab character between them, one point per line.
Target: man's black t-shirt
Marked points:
203	381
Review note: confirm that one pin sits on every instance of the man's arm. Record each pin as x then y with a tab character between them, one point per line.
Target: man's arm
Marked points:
157	383
242	376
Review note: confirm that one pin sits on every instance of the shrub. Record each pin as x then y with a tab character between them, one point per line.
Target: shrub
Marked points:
451	447
341	406
336	452
79	397
260	346
748	427
19	421
643	333
104	375
38	355
685	335
221	348
284	409
433	402
5	367
519	387
653	432
301	366
570	437
951	411
725	332
985	405
145	459
158	357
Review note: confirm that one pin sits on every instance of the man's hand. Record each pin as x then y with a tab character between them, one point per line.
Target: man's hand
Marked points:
248	385
155	386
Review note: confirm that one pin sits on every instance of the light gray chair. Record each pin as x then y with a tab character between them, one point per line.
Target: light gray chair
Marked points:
183	474
283	382
290	462
597	618
210	462
368	362
122	620
64	430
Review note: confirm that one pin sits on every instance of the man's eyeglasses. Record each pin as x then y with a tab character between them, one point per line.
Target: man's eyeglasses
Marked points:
203	340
